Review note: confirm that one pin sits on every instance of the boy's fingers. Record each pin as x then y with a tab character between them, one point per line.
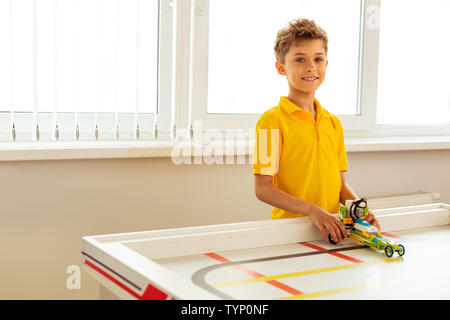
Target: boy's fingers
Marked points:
337	230
373	221
323	231
342	229
332	231
377	225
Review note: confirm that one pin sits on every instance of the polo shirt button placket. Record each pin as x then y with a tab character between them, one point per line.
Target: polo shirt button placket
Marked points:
316	127
316	124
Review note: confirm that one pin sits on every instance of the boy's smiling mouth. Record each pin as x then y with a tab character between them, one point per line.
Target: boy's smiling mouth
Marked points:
310	78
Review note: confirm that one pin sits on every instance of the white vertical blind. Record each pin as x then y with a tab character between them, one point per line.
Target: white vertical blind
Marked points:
136	112
35	94
87	64
116	118
11	63
55	72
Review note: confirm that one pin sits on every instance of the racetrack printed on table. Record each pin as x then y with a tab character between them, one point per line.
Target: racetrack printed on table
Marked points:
324	293
303	273
342	276
199	276
257	275
389	235
259	278
336	254
357	263
269	278
320	270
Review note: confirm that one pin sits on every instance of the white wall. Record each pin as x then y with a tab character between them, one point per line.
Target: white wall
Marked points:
47	206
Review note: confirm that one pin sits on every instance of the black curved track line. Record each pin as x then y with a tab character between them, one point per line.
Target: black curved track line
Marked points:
198	277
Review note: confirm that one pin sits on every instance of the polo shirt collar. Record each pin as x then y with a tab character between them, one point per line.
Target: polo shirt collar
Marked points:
289	107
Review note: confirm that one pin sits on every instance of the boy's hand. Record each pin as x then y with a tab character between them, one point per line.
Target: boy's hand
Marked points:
327	223
372	220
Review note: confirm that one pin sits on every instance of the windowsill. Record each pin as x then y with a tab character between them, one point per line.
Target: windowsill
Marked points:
84	150
397	143
163	149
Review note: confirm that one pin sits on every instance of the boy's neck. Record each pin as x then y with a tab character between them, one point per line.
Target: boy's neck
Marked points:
303	101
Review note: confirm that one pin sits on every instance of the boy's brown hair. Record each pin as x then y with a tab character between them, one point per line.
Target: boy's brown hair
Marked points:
297	30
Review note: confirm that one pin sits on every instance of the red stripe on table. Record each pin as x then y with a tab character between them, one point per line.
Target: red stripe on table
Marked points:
336	254
151	293
255	274
390	235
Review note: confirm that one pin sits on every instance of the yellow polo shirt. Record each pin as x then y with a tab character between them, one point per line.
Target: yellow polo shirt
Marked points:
305	156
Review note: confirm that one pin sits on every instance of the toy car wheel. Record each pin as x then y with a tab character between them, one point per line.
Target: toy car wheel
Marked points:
401	252
331	239
389	251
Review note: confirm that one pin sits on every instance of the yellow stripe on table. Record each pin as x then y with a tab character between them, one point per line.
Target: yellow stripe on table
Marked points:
324	293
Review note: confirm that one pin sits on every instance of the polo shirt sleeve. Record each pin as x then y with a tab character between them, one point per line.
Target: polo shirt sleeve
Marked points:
341	153
267	147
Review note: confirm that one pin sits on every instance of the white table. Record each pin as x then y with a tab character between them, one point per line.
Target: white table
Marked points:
275	259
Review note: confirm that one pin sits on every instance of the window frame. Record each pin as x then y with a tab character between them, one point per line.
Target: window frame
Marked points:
363	124
365	120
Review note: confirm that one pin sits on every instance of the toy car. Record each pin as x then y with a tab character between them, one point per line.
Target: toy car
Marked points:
352	215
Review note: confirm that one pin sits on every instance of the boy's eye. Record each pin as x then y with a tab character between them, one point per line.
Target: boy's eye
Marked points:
317	60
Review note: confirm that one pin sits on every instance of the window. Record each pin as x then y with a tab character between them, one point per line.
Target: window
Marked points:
235	79
85	63
241	48
123	69
359	86
414	69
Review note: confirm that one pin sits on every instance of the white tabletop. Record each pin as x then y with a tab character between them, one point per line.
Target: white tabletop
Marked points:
310	270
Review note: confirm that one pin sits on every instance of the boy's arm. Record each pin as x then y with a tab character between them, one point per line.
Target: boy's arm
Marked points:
347	193
324	221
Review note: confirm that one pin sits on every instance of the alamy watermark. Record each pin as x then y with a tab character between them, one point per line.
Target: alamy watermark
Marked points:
229	146
73	281
373	17
373	280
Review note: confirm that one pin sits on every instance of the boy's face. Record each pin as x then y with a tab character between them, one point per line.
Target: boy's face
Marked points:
304	65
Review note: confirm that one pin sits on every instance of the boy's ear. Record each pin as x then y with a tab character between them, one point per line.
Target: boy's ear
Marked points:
280	68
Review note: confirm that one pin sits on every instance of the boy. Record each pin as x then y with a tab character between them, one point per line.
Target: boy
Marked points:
304	174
